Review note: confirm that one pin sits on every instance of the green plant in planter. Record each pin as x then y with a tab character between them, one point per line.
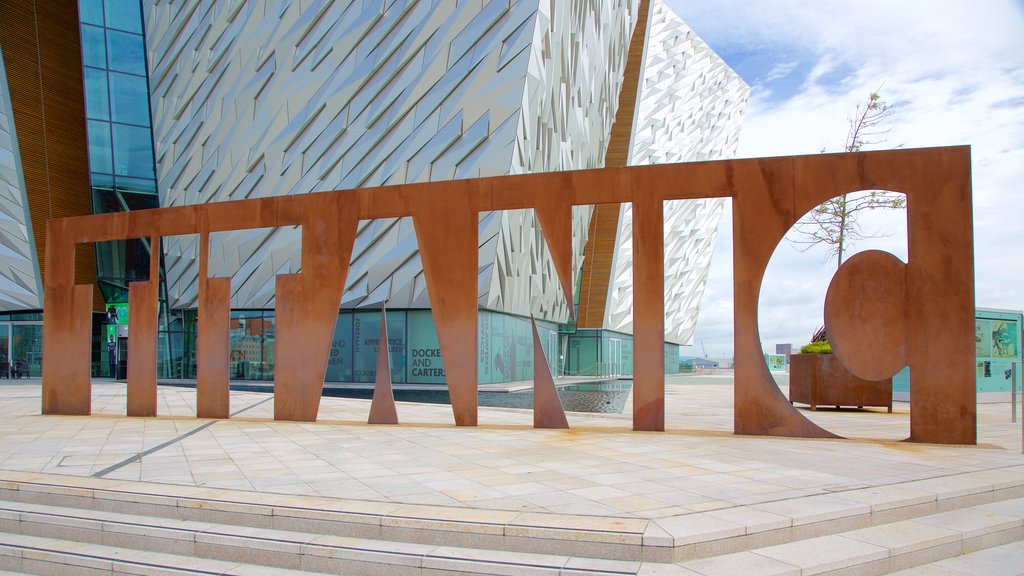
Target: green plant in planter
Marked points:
822	347
819	343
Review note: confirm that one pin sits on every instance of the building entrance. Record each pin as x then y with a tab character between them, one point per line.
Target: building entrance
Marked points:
21	349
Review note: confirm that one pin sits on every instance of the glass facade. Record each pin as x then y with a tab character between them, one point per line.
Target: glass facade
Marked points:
591	352
21	345
504	349
123	177
121	161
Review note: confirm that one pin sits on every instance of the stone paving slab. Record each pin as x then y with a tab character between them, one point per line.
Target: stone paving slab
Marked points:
597	468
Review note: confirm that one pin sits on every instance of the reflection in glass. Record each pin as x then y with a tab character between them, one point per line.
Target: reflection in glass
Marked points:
94	50
124	15
5	344
27	349
136	185
127	54
118	263
133	152
267	363
129	99
97	99
91	11
100	159
246	345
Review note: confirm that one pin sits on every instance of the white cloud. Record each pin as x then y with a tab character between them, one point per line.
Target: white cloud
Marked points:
955	72
781	70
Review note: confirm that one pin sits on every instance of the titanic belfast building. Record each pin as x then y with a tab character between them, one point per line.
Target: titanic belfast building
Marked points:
114	105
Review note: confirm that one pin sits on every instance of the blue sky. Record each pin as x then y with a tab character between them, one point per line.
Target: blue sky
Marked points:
953	70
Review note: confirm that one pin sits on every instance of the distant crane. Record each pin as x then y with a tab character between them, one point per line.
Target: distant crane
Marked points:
702	350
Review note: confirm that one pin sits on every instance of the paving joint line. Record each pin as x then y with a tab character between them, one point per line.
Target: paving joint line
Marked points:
172	441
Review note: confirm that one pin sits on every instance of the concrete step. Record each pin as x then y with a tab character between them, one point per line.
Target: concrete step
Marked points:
866	551
881	549
41	555
76	544
661	540
1005	560
253	551
125	536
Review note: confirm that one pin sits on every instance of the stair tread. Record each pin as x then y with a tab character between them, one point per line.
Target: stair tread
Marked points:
674	531
103	557
866	545
810	548
1005	560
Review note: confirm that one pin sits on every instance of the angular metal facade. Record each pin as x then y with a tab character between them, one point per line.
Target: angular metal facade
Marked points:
256	99
690	109
20	282
259	98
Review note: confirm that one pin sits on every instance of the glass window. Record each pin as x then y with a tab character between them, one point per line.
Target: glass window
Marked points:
133	152
91	11
139	201
105	201
94	47
339	367
102	181
246	344
137	186
97	99
27	349
267	365
99	147
127	52
129	99
124	15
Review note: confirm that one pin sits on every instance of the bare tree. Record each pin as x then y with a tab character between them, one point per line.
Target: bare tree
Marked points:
835	223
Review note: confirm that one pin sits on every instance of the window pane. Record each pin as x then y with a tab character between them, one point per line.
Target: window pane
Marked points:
99	147
105	201
140	201
126	52
129	99
267	366
102	181
124	15
97	100
94	48
91	11
136	185
133	152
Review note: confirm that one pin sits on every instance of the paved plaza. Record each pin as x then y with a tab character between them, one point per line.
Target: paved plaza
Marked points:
598	467
108	494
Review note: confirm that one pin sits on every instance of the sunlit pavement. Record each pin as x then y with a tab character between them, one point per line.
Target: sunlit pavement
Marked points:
598	467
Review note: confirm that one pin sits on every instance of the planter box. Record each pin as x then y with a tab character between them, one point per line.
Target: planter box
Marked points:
821	380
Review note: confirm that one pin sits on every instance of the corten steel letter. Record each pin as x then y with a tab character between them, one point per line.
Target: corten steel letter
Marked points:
882	314
144	303
933	306
769	194
447	227
213	347
308	303
764	208
67	328
382	407
648	312
547	407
